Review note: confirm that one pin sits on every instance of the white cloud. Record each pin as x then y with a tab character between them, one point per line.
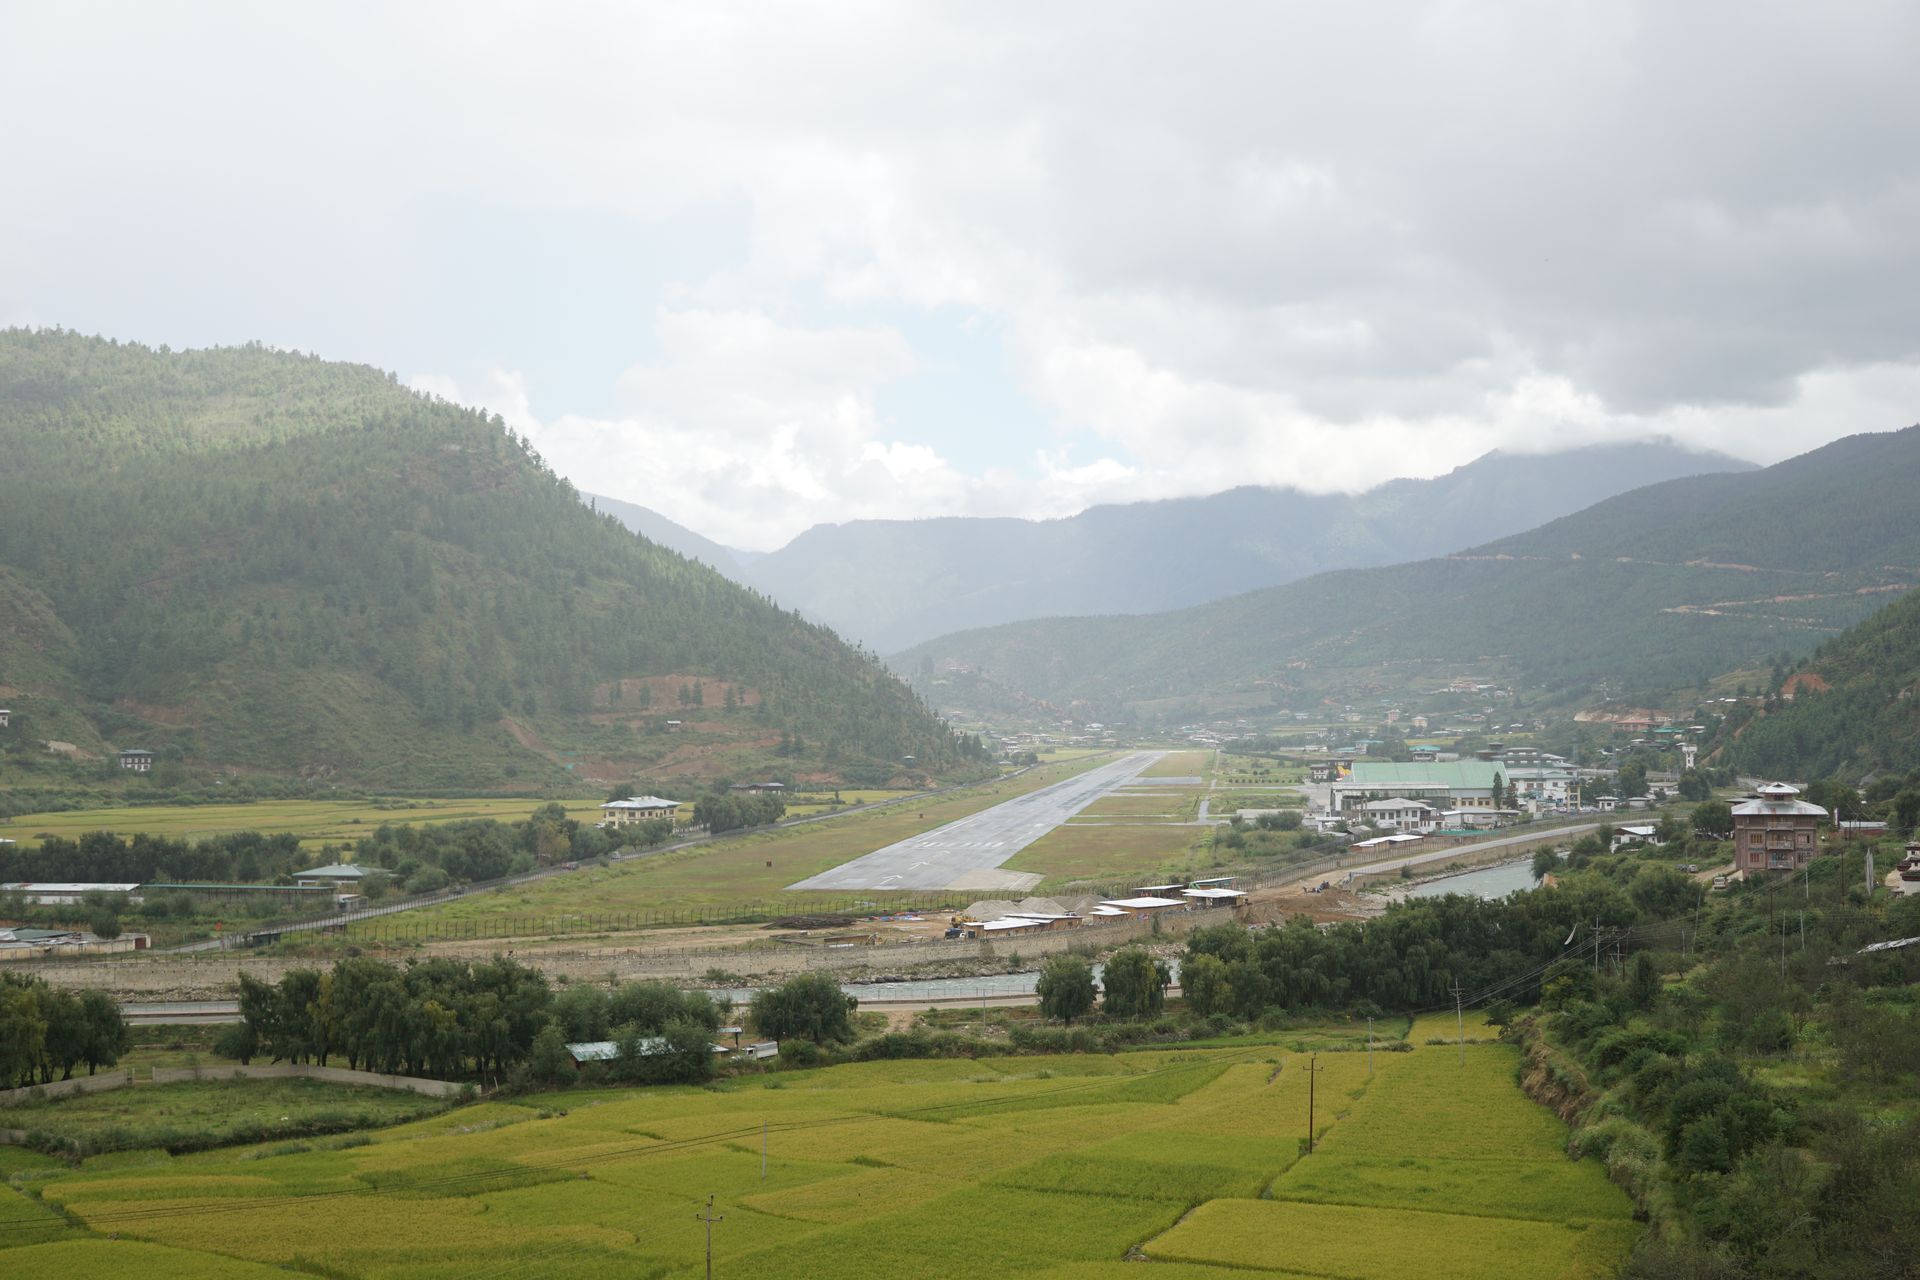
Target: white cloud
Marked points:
1320	245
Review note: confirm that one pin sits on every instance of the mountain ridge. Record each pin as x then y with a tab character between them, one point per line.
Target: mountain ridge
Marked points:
896	583
1581	603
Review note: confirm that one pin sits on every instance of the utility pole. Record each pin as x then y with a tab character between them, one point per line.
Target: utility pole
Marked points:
1369	1046
709	1218
763	1151
1460	1016
1313	1070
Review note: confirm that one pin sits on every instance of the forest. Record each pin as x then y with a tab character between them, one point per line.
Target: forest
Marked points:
1848	709
245	557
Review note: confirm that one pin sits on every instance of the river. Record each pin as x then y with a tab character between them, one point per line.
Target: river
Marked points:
1489	882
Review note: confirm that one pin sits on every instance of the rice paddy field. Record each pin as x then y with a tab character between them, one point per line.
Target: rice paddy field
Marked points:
1057	1168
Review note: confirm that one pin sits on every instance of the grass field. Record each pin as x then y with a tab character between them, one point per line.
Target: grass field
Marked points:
316	822
1053	1167
210	1112
1084	852
1175	803
1181	764
752	868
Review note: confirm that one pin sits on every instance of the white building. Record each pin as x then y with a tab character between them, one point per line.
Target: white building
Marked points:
635	809
1416	816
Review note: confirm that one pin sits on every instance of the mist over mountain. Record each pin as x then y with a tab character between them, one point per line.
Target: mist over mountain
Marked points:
1659	588
892	584
257	561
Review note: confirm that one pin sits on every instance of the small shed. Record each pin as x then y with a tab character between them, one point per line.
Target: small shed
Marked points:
338	873
1146	904
1215	897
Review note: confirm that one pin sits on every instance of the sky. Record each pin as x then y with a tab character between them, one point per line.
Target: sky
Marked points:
760	266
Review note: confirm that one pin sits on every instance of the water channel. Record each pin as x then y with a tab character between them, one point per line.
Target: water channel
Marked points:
1489	882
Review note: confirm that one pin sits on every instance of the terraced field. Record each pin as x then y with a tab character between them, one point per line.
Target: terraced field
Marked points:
1056	1168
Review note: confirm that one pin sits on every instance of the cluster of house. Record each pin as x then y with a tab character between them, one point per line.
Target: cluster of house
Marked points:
1002	919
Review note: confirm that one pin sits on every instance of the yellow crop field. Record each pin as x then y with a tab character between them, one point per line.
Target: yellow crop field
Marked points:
1054	1168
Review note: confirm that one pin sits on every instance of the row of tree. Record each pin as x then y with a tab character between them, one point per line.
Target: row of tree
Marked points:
500	1020
46	1032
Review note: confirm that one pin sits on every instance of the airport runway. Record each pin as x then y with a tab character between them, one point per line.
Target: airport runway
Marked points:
980	841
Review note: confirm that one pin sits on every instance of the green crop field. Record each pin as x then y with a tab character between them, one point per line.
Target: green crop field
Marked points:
1052	1167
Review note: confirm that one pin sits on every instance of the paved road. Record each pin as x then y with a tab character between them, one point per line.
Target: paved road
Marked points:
979	841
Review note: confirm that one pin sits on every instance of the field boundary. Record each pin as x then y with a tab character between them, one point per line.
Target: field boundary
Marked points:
309	1071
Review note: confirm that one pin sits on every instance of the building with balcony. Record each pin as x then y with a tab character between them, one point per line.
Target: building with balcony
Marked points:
1775	831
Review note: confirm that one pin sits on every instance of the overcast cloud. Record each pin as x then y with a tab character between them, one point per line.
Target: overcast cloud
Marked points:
758	266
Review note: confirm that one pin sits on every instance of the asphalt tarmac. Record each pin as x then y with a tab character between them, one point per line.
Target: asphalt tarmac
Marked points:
980	841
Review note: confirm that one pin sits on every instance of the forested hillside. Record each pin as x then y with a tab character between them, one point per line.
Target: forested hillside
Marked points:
251	560
894	583
1851	708
1657	589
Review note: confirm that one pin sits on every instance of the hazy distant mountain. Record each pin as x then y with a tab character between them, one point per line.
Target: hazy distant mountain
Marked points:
894	583
655	527
263	562
1658	588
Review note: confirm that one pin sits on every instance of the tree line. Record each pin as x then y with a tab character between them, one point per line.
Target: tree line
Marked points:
46	1032
500	1021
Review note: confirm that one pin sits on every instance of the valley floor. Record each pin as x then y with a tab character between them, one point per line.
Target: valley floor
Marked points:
1427	1164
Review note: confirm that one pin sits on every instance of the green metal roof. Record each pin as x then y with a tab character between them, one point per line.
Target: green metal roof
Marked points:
1462	774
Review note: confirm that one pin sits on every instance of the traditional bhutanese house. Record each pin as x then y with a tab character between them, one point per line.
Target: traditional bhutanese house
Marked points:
136	760
6	717
1863	830
1775	830
637	809
1146	905
1158	890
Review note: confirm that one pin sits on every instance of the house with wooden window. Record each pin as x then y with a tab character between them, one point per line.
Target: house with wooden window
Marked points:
136	760
1775	830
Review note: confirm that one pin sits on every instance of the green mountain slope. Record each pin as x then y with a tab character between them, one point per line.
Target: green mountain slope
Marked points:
1655	589
1852	707
254	560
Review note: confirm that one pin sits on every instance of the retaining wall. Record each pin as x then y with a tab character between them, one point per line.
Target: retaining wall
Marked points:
115	1079
308	1071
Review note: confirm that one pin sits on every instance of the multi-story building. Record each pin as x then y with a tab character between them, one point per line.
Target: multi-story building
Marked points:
1775	831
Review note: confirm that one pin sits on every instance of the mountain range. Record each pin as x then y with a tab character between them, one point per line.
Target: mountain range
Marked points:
1658	588
892	584
255	561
